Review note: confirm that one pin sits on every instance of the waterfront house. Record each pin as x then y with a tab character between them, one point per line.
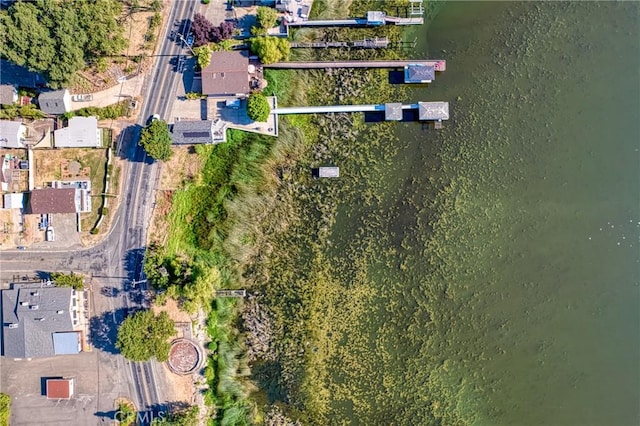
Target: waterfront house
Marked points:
227	75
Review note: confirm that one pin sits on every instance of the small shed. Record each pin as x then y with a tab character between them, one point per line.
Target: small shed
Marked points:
328	172
393	111
375	17
13	201
59	388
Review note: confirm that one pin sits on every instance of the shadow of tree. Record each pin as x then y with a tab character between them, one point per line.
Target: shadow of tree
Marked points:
103	330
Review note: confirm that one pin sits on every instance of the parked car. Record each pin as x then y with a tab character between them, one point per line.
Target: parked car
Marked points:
81	98
190	40
21	248
50	235
153	118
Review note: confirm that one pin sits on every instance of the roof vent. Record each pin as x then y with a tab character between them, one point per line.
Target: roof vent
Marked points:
34	307
60	312
24	303
35	293
40	319
13	325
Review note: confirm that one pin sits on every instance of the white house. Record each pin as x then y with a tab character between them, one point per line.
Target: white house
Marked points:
12	134
82	132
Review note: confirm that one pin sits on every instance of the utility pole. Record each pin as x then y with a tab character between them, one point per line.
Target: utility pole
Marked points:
187	44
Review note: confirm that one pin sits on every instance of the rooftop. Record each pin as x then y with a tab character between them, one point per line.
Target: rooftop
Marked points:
8	94
226	75
419	73
55	102
31	317
393	111
188	132
12	134
52	200
59	388
82	132
433	110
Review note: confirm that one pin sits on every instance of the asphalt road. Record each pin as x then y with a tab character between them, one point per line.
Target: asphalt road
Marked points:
117	261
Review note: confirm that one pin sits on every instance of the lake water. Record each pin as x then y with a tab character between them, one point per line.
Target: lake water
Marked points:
509	283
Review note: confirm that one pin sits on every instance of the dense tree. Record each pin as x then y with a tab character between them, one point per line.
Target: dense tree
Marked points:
201	28
203	56
5	409
267	17
156	140
67	280
222	32
125	414
270	49
258	108
58	38
144	335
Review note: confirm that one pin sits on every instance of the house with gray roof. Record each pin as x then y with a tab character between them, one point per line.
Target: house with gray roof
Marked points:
55	102
198	132
12	134
82	132
8	94
40	320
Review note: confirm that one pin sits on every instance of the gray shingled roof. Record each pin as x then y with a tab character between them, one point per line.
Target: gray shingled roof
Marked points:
433	110
393	111
35	313
53	102
416	73
7	94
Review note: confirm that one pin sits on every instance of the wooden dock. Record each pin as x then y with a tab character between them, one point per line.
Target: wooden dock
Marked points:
439	65
374	43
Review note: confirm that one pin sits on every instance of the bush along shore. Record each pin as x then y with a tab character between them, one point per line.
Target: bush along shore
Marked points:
255	218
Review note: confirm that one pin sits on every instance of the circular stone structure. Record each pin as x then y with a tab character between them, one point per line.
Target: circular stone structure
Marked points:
185	356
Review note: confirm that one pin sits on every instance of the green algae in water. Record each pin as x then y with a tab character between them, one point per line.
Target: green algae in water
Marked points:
504	253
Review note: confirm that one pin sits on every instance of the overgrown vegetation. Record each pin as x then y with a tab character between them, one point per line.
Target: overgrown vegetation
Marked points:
5	409
110	112
10	112
205	32
267	17
258	108
156	140
59	38
187	416
68	280
144	335
270	49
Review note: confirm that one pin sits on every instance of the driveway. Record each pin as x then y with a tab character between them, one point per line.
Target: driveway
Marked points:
129	88
65	228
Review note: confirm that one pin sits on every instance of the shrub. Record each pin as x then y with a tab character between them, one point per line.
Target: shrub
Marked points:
267	17
258	108
271	49
144	335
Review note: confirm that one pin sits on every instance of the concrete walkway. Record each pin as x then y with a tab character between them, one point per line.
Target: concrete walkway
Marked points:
127	89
